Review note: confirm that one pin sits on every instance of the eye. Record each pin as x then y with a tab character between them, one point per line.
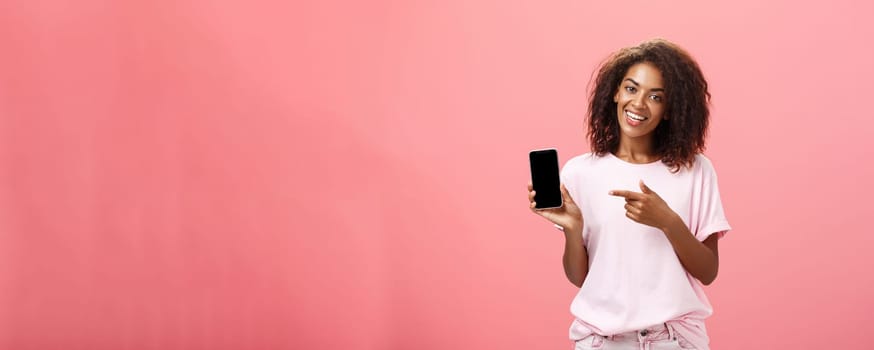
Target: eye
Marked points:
656	98
630	89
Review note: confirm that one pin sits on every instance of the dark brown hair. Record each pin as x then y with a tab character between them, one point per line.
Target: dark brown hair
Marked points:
677	139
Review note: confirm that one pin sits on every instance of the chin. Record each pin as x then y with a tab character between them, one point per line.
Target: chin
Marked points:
633	132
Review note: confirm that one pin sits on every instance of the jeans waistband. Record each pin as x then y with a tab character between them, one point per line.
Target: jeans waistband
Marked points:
658	332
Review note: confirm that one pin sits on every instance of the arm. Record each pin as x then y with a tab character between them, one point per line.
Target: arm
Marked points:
570	219
701	259
576	258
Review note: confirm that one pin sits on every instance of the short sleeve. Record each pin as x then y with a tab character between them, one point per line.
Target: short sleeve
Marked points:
707	209
563	177
569	177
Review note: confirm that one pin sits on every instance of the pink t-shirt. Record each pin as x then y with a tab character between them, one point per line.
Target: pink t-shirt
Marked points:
635	279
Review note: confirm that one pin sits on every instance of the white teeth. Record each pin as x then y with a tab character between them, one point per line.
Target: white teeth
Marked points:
635	116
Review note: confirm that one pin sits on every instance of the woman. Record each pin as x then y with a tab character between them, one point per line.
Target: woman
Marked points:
642	216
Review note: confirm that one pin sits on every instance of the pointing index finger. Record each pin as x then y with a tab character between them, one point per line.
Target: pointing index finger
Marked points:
626	194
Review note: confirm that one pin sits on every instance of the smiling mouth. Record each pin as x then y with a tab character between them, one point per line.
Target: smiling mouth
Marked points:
635	117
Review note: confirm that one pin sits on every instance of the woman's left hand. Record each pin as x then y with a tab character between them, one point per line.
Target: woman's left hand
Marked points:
647	208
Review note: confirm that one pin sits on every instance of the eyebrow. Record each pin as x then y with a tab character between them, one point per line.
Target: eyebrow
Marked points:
637	84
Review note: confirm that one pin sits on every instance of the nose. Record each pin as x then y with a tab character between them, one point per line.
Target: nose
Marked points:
637	101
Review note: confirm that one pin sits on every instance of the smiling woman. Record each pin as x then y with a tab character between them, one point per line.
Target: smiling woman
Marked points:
642	214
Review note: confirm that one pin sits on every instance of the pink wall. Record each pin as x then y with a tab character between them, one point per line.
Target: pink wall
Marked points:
329	175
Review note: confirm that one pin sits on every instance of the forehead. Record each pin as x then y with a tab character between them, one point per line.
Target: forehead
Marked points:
646	74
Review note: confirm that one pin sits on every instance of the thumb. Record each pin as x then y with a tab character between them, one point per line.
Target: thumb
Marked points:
565	195
645	188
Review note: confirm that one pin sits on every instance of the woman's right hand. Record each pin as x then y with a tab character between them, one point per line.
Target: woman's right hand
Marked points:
568	216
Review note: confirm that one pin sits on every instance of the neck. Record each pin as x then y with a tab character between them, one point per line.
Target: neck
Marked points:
641	150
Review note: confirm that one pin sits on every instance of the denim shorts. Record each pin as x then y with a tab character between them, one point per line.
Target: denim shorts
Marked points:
661	337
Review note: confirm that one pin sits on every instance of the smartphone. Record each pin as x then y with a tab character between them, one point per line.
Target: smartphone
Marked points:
544	177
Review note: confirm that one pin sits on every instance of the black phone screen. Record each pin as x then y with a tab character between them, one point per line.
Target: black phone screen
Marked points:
545	178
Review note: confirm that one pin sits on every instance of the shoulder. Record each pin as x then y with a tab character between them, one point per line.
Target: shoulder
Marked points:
704	167
575	171
581	162
702	162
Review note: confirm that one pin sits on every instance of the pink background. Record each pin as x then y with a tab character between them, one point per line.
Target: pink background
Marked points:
339	175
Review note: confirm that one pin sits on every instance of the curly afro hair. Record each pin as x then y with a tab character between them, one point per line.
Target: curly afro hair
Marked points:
678	139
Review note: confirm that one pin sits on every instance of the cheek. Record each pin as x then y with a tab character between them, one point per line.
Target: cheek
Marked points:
622	98
658	109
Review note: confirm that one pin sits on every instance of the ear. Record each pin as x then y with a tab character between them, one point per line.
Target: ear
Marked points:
616	96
